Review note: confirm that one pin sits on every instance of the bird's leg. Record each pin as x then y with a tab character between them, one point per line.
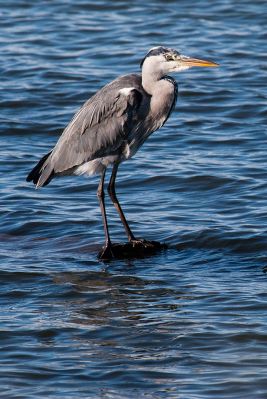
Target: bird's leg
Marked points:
135	242
114	199
107	251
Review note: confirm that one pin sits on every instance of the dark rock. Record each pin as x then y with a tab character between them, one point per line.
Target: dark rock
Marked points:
130	250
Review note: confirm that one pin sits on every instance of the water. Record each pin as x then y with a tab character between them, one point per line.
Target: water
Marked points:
190	322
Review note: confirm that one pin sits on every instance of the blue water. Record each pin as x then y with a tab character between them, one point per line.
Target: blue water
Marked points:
191	321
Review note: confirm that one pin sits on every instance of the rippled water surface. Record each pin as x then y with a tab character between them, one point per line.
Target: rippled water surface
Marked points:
191	321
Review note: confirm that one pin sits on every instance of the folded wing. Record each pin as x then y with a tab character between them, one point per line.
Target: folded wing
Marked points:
98	129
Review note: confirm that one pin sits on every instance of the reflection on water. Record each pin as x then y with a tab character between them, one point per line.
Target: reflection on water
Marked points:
190	321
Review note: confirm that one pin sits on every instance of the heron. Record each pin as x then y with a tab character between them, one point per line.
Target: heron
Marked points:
113	124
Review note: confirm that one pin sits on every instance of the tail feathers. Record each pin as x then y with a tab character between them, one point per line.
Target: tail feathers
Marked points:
41	174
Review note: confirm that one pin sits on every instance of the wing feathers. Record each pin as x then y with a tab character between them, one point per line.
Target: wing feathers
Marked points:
98	129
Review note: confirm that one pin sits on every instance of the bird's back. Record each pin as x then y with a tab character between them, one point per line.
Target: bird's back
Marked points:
97	130
109	127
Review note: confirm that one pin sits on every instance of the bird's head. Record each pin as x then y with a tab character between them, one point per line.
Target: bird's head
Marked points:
163	60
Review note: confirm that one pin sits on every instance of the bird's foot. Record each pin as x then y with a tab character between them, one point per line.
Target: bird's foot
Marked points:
136	248
106	253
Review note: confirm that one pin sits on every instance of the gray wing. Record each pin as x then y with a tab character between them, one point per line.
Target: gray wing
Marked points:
99	128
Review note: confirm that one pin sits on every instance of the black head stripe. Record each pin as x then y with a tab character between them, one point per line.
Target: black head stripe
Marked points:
157	51
154	51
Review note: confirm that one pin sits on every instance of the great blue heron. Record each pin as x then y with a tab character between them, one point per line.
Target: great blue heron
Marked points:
113	124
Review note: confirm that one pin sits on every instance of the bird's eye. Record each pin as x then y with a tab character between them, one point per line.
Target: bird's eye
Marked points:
168	57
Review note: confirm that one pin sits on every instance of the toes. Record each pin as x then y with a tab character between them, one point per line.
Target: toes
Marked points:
142	243
106	253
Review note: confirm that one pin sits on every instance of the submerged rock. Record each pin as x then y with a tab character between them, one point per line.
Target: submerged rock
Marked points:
135	249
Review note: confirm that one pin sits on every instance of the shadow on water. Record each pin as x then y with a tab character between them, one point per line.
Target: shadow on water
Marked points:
118	317
119	299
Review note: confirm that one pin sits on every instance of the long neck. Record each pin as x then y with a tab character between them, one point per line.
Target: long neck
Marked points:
163	92
150	79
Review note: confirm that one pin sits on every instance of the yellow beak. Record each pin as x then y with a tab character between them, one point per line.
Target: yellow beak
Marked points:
190	62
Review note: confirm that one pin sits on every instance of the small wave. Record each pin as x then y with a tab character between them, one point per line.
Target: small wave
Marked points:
240	242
